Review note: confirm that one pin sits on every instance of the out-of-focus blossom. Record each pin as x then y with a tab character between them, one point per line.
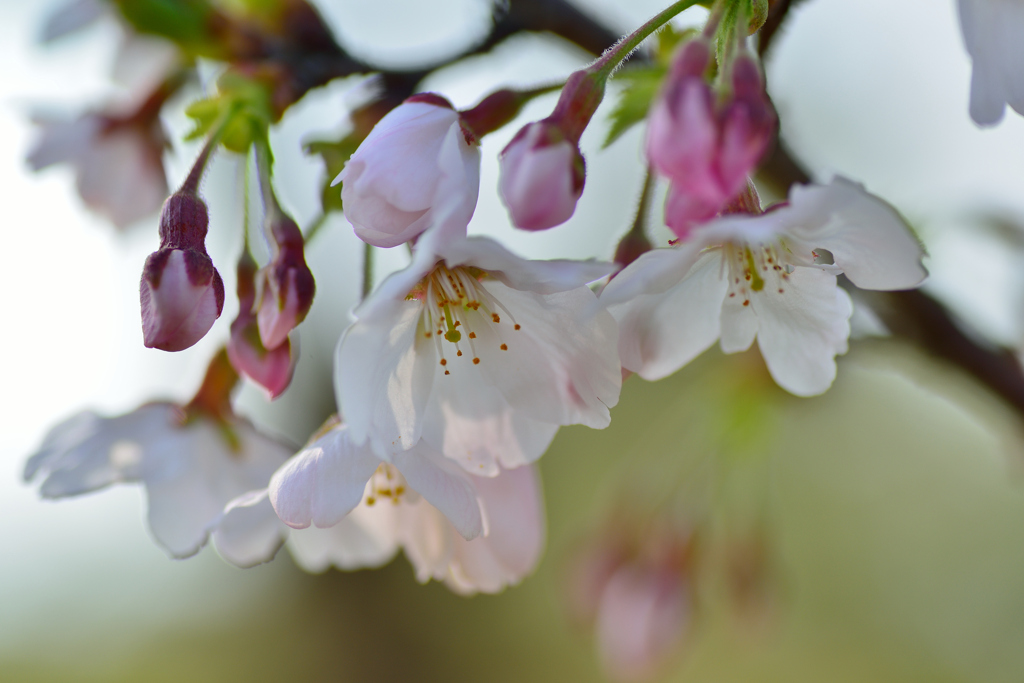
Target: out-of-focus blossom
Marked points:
416	157
181	292
637	591
286	285
707	150
479	353
542	175
191	466
272	369
71	17
992	32
392	515
770	276
118	162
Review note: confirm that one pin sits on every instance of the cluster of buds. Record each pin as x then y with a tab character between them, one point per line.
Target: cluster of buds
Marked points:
707	146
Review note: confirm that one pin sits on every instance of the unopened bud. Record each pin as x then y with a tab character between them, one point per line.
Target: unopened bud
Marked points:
542	176
181	292
287	286
271	369
748	124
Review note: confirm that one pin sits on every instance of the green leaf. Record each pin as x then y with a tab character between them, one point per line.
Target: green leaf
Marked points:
641	86
184	22
334	155
241	109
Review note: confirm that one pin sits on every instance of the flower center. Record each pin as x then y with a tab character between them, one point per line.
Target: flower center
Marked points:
386	482
457	310
755	268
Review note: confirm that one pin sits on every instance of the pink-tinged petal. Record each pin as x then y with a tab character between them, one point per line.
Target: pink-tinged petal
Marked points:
747	125
363	539
514	506
540	182
660	333
542	277
249	534
322	483
687	208
121	176
801	331
444	485
474	425
382	382
641	619
428	539
272	369
562	365
867	238
182	295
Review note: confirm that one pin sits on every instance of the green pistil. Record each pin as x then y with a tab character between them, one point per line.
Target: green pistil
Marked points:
452	335
756	283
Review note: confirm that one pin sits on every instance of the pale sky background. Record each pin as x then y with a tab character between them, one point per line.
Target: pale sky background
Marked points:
889	110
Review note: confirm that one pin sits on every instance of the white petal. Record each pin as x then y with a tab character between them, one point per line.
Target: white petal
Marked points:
562	366
992	30
660	333
514	506
428	539
542	277
802	330
653	273
381	381
324	482
251	534
444	485
738	324
867	238
366	538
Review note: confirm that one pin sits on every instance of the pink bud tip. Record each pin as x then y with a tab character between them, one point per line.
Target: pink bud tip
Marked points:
181	295
271	369
542	176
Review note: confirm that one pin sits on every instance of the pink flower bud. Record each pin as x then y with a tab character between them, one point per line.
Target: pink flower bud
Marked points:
542	175
272	369
286	286
181	292
707	151
416	157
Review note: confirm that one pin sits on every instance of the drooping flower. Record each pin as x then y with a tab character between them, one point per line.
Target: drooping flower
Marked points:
181	293
771	277
118	162
417	156
393	513
286	287
707	148
542	175
992	31
479	353
191	467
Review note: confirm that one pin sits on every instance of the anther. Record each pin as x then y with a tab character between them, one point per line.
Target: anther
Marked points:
504	347
495	317
476	361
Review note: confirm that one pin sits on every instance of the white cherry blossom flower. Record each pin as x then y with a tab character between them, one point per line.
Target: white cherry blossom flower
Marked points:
392	514
992	32
414	159
479	353
191	468
771	277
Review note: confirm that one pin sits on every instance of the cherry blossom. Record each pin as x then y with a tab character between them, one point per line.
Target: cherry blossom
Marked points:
190	465
480	353
992	32
771	277
415	157
393	513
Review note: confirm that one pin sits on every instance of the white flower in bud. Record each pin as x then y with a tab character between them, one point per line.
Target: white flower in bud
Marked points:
417	156
771	276
190	467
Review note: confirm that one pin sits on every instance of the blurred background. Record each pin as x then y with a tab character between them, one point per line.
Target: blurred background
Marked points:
873	533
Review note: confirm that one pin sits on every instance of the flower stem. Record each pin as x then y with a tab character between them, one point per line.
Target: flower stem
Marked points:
614	55
367	269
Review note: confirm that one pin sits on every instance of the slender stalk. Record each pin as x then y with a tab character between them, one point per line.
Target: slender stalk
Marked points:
613	56
314	228
367	270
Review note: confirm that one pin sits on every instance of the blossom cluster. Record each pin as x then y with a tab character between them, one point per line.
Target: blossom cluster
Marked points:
457	371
